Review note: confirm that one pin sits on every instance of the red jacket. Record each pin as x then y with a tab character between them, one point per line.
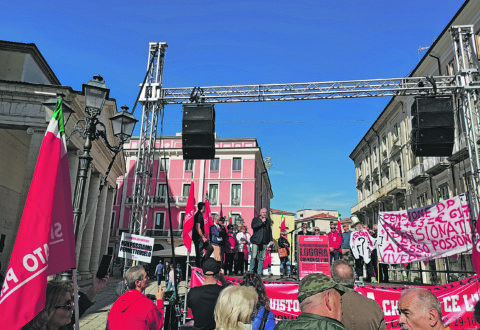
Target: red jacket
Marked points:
335	240
133	310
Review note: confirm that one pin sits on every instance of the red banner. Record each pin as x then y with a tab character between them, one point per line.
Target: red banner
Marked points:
457	299
313	255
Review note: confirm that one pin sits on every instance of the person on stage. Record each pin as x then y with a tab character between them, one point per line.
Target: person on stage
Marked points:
243	250
198	236
261	238
284	262
304	230
334	242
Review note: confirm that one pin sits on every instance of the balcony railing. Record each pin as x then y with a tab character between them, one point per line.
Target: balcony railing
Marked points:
416	174
435	165
160	200
235	201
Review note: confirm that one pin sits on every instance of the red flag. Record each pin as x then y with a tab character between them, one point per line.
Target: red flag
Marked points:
230	218
45	243
221	210
476	248
207	218
339	227
283	227
188	222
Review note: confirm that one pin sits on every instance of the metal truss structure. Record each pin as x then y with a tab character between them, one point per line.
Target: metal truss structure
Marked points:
463	85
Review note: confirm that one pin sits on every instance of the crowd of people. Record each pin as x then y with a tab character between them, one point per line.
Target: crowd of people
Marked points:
325	302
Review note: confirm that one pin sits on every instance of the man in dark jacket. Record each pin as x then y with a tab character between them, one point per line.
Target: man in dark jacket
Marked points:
199	238
320	302
133	310
262	236
284	244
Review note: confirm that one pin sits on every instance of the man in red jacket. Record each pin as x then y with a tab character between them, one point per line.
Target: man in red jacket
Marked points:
334	241
133	310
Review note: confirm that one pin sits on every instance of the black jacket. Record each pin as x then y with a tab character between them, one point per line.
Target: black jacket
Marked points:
260	230
283	243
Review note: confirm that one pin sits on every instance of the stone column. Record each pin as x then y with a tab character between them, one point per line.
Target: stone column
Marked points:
87	225
107	223
14	201
97	233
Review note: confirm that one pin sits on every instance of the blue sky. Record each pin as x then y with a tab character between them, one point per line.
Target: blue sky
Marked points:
246	42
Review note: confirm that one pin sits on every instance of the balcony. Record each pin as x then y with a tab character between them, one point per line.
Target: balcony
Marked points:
163	233
395	186
363	203
416	174
435	165
160	200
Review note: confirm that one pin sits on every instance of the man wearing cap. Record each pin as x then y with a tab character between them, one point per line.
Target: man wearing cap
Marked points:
202	299
358	311
334	241
320	302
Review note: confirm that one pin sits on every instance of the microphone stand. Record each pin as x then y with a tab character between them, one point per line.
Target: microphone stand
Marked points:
290	276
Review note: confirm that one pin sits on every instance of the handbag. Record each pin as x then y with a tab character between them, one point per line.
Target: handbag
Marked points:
282	252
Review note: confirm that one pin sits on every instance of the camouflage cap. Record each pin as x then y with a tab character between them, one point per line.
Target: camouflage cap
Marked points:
315	283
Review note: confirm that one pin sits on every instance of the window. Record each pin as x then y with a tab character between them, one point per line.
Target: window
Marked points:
159	220
213	194
236	219
395	132
181	220
162	190
237	164
189	164
164	164
186	189
236	194
215	164
443	192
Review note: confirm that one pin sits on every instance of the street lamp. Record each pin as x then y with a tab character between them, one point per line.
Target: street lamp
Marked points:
91	129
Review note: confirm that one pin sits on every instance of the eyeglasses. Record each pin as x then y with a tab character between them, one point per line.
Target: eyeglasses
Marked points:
317	229
68	306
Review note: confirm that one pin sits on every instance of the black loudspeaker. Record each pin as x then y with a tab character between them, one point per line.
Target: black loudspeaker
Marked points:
433	128
198	131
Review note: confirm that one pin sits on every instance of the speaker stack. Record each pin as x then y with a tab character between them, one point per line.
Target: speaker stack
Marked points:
198	131
433	128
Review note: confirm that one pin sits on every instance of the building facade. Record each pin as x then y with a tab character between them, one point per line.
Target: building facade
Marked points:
277	217
236	182
388	175
26	81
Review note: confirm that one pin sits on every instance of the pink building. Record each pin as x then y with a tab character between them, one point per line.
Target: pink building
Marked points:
236	181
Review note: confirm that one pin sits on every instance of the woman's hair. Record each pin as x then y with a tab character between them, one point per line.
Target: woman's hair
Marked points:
235	306
56	290
255	281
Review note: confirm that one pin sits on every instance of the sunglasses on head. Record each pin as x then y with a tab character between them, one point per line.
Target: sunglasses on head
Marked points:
68	306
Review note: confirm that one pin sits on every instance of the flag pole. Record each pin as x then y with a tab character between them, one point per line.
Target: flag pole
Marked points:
186	288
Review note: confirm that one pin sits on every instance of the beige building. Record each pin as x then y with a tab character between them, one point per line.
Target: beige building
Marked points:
26	81
388	175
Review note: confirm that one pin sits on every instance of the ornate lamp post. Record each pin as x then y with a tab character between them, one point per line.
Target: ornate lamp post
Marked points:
91	129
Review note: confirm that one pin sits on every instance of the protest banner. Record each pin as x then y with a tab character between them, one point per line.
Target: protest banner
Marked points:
313	255
476	248
435	231
136	247
362	244
457	299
